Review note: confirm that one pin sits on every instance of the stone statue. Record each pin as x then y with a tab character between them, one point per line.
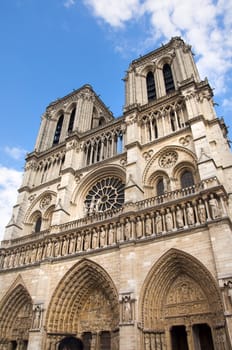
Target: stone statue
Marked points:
86	241
138	227
57	248
102	237
79	242
33	254
37	317
148	226
65	246
49	249
214	208
111	234
27	256
22	257
168	220
127	229
95	239
179	217
12	259
158	223
72	245
201	212
126	313
190	215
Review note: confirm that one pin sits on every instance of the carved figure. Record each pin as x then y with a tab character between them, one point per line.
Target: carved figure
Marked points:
57	248
79	242
27	256
12	258
86	241
148	228
33	254
22	257
201	212
158	223
111	234
102	237
37	316
213	205
2	260
95	239
127	229
64	246
138	227
72	245
127	314
168	220
49	249
6	261
118	232
190	215
147	342
179	217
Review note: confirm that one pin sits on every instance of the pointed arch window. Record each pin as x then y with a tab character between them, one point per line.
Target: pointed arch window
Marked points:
168	78
58	130
71	120
38	224
151	90
160	187
187	179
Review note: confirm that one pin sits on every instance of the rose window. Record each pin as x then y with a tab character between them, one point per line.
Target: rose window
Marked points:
106	194
168	159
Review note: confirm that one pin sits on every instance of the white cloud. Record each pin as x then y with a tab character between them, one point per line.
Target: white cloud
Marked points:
16	153
69	3
204	24
10	180
115	12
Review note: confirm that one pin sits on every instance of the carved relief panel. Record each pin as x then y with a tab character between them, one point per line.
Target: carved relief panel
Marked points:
185	298
97	314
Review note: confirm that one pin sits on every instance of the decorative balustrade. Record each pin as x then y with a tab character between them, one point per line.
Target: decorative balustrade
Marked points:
153	220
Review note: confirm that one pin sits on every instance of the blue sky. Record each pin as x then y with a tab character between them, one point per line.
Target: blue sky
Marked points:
50	47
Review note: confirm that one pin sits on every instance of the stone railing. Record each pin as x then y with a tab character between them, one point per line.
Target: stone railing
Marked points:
146	203
150	222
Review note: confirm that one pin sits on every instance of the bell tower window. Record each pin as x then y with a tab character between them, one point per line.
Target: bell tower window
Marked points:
168	78
71	120
58	130
151	90
38	224
160	187
187	179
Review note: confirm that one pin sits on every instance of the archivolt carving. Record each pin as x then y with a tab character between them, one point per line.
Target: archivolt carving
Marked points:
16	312
178	272
183	155
41	202
75	293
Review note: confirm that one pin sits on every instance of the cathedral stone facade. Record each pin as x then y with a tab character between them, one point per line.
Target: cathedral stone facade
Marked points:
121	234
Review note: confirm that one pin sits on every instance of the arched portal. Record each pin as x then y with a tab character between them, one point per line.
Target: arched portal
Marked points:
84	304
70	343
179	300
16	314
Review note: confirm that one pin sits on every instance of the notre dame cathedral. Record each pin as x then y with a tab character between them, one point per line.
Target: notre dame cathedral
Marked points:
121	234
